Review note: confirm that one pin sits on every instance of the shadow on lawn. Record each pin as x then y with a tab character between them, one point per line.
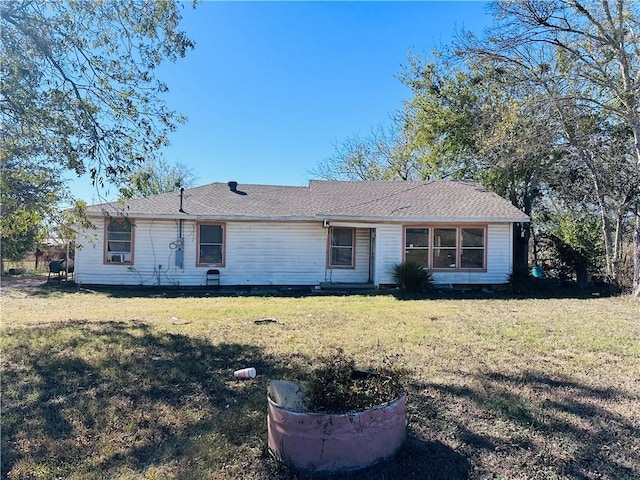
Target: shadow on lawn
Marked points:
121	399
420	459
111	397
533	426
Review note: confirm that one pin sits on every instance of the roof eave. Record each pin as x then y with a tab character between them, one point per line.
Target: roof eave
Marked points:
385	219
215	218
319	217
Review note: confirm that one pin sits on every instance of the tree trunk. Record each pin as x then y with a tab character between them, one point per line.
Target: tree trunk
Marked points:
610	268
521	243
636	256
618	241
633	119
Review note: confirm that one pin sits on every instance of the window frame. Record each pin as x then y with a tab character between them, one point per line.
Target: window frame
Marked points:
330	248
105	250
462	248
413	248
446	248
223	246
459	248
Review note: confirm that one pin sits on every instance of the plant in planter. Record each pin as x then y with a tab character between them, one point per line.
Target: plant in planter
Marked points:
337	386
340	419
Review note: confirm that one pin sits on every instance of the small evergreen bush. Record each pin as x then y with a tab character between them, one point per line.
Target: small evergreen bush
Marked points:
413	277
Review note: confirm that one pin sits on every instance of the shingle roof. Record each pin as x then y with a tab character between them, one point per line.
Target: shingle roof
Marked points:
216	200
432	200
353	200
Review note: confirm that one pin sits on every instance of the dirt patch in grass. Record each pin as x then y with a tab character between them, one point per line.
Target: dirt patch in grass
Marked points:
13	283
142	388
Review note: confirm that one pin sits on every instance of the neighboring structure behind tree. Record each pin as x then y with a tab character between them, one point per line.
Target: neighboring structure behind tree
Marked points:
328	232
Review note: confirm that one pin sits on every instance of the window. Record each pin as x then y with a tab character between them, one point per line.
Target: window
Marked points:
118	241
417	246
341	254
446	248
210	244
472	248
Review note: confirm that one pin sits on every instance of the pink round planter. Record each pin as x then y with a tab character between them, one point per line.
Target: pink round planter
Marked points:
329	443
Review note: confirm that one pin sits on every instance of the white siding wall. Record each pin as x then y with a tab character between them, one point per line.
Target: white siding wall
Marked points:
154	257
269	253
388	252
256	254
274	254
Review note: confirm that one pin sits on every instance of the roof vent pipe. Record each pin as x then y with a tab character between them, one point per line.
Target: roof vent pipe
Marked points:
233	186
181	197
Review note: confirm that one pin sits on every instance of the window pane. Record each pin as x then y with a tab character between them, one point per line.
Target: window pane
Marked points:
444	258
119	246
210	254
444	237
119	232
342	237
119	235
341	257
473	258
211	234
122	226
473	237
417	237
420	256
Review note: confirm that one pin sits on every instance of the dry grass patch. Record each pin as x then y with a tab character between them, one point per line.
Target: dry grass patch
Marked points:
97	385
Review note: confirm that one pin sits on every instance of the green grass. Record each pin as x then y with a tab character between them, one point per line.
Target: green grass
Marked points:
108	385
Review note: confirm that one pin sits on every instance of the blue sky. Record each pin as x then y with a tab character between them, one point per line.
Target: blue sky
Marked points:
272	87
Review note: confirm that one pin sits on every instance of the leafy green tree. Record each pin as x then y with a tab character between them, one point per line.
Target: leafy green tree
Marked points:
578	242
384	154
593	48
476	123
441	118
157	176
78	93
27	196
78	83
598	175
30	196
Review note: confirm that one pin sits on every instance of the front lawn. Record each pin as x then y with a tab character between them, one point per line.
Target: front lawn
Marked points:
97	385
